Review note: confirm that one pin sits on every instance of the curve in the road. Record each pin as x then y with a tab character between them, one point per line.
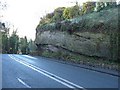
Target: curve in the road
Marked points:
48	74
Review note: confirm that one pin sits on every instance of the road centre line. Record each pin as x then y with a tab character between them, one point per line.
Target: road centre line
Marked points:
28	65
21	81
48	74
29	57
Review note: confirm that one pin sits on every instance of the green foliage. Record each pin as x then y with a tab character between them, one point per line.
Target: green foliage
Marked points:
13	42
114	45
101	5
104	21
55	16
94	22
74	11
71	12
81	59
4	38
47	27
58	25
63	13
66	13
31	46
88	7
10	44
4	43
58	14
75	27
23	45
65	26
50	15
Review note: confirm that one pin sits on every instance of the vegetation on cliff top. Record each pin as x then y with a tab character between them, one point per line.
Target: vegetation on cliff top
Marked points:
91	16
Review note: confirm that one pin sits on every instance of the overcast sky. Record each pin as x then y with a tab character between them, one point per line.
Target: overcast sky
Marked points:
25	14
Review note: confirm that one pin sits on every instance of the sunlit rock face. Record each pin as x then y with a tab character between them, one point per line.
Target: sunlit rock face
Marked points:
96	41
85	43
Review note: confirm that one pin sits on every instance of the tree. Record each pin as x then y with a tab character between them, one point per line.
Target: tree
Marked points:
74	11
13	42
88	7
71	12
100	5
31	45
58	14
50	15
3	30
4	43
3	38
66	13
23	45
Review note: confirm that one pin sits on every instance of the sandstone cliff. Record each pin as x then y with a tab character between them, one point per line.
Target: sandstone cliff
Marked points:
92	35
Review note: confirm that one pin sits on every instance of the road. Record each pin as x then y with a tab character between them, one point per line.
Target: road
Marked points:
23	71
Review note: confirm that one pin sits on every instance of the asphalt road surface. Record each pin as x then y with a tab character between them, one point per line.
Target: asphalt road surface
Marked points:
23	71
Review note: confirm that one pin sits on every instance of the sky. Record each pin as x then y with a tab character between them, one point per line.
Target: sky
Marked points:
24	15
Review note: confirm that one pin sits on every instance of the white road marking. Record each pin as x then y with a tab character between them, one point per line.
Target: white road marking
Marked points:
48	74
23	83
29	56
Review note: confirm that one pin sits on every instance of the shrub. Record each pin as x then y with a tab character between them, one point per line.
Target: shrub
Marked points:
58	25
65	25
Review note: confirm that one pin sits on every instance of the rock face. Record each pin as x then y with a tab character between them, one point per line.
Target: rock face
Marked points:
88	42
84	43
